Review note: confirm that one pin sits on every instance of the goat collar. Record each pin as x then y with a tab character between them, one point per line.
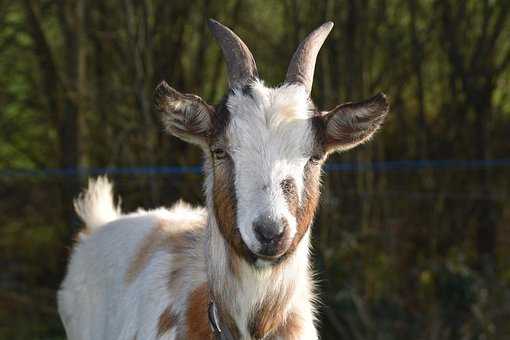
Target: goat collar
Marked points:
220	331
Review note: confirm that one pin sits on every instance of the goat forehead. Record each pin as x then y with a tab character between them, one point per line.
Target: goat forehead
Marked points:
270	125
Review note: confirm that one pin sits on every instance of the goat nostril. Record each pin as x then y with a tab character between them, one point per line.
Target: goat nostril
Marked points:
268	231
266	235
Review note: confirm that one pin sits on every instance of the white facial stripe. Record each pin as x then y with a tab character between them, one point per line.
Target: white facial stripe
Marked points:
270	139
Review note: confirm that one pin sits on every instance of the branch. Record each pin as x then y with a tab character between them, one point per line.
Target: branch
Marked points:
500	22
450	33
505	62
480	44
43	53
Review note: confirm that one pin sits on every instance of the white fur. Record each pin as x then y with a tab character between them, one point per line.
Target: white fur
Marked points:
94	300
270	140
95	206
244	296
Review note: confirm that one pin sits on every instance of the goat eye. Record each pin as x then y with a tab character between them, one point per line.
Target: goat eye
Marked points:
315	159
219	153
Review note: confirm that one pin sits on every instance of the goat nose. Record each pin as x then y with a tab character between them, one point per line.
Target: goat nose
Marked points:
267	230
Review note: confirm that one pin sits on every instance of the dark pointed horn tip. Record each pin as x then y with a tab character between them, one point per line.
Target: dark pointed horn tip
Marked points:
240	62
217	27
328	25
302	64
213	24
325	28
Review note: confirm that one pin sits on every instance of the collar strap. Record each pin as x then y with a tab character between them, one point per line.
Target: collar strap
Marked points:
215	323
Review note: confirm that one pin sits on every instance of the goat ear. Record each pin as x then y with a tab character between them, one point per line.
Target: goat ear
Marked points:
185	116
351	124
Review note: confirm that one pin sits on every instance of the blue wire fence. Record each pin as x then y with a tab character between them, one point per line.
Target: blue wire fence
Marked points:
382	166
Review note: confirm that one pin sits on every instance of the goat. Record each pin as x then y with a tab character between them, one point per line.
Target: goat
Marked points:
238	269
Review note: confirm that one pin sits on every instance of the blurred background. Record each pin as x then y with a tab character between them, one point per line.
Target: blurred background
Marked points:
413	232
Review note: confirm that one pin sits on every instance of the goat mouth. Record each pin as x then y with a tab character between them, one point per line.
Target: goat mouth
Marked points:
273	252
270	261
269	258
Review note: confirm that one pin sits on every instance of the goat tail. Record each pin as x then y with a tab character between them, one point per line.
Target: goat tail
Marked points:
95	205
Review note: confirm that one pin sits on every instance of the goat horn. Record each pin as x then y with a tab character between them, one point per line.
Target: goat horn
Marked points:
302	64
240	62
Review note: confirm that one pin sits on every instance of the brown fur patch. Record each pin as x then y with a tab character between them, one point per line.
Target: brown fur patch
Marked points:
166	321
163	237
224	197
176	278
270	315
305	213
291	329
233	263
197	321
225	208
149	245
182	245
289	189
